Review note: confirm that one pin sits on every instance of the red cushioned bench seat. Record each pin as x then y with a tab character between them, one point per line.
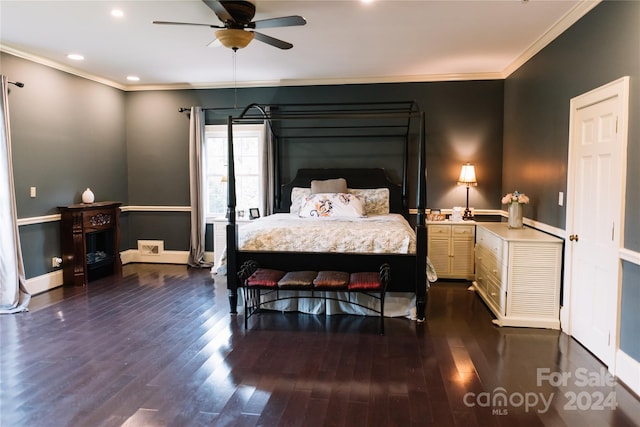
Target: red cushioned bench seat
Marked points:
262	285
365	281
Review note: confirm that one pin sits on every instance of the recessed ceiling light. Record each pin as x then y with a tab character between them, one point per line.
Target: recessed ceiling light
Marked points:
117	13
75	57
133	78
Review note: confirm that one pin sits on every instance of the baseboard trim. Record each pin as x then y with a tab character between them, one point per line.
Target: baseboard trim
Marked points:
39	284
166	257
46	282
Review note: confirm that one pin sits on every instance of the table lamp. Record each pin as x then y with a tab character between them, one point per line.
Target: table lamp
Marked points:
467	178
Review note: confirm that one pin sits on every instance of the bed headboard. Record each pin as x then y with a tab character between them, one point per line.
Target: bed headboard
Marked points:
356	178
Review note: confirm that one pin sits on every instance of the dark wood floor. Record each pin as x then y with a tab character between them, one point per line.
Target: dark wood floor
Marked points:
158	347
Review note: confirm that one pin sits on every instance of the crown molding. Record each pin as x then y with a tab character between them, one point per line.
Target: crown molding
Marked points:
569	18
59	66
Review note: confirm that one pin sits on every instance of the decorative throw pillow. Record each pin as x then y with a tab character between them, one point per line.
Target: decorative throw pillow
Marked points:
338	185
333	205
376	200
331	279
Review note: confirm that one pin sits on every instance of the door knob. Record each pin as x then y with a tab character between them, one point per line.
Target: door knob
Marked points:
573	237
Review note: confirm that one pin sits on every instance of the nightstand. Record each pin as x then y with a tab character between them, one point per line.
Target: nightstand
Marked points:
450	248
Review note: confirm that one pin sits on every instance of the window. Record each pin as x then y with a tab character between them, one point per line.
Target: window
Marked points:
248	142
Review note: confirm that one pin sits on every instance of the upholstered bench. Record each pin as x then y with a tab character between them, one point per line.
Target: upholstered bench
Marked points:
261	286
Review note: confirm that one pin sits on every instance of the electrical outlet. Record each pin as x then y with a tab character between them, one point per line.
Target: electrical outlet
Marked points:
56	262
32	192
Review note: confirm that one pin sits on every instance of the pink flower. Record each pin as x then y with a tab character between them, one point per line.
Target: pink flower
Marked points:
515	197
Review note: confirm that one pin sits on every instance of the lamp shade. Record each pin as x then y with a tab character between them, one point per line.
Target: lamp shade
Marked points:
468	175
233	38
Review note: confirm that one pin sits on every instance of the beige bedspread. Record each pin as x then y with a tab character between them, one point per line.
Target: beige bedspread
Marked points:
285	232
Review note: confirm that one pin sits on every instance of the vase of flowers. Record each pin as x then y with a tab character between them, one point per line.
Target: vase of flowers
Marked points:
514	201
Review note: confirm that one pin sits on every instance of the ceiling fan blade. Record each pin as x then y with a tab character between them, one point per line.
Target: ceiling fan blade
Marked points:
285	21
215	43
272	41
220	11
186	23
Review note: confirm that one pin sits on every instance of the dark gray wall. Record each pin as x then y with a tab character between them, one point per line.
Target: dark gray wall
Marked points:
629	318
463	123
68	133
603	46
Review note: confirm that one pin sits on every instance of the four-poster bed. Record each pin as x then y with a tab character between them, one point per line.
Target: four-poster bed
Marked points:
396	122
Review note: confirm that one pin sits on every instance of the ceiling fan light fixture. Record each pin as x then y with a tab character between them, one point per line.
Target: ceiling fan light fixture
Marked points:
233	38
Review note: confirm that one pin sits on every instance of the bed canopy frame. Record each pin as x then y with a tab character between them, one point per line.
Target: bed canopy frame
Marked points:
398	122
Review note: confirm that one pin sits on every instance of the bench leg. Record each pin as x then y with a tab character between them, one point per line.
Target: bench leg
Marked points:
382	313
245	294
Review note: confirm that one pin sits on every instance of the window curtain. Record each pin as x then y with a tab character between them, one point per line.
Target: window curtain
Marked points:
268	170
196	185
14	297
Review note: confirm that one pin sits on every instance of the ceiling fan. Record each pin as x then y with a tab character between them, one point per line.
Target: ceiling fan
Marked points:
237	29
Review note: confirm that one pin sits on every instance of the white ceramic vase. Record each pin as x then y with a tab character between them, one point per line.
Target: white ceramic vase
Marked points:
515	215
87	196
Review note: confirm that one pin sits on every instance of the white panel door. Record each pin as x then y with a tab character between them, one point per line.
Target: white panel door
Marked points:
595	224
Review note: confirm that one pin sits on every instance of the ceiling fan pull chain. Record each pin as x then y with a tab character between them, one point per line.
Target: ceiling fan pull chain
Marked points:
235	83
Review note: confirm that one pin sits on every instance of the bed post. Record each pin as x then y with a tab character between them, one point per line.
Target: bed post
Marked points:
421	229
232	230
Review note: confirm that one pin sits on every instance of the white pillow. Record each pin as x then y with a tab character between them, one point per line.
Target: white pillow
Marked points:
333	205
298	195
376	199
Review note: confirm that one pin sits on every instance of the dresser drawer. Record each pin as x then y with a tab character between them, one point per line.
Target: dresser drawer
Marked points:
491	242
497	296
440	230
465	232
494	267
482	277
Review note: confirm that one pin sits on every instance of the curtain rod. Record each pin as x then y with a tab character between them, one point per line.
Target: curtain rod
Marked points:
188	109
19	84
413	106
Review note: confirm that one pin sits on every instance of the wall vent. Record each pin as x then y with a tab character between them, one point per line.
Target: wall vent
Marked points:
150	247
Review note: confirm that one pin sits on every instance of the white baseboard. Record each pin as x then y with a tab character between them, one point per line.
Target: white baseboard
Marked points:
166	257
628	371
37	285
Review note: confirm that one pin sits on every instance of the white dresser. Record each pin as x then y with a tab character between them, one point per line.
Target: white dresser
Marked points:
518	275
450	248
